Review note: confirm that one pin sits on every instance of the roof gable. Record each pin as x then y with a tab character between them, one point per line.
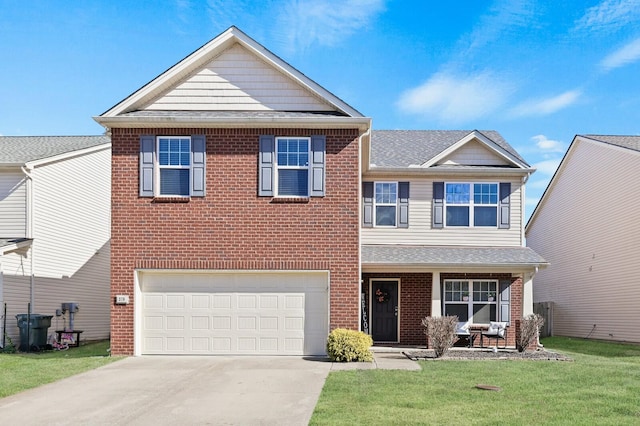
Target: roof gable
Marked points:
424	149
472	152
237	80
232	72
628	144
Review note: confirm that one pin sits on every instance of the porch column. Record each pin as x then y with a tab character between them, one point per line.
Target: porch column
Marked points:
527	293
436	297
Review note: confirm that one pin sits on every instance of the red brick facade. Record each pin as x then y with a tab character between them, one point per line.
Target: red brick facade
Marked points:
415	301
232	227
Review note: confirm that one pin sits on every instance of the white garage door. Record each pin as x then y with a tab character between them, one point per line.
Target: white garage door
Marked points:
233	313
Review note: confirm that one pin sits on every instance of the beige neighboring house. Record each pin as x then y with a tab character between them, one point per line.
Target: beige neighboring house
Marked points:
586	226
55	230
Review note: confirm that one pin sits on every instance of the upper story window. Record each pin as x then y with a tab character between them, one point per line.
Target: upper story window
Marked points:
474	300
480	204
292	167
174	161
172	166
471	204
385	200
385	204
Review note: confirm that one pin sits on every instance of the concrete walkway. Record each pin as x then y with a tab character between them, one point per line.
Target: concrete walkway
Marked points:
188	390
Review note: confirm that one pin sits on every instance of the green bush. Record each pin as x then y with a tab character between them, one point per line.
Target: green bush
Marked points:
349	345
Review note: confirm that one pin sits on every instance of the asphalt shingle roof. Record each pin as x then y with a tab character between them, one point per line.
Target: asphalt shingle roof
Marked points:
18	150
630	142
456	256
403	148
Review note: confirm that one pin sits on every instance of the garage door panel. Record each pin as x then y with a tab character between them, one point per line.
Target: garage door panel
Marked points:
234	314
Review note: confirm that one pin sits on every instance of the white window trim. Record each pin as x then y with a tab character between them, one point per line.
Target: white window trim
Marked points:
471	205
375	205
158	167
471	302
277	168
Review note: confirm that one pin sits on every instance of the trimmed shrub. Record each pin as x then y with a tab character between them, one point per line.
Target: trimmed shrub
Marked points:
349	345
529	330
441	332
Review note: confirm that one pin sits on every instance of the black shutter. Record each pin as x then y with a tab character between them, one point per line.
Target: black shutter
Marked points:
437	212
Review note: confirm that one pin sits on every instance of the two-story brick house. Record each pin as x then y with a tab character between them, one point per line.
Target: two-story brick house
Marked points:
235	207
242	192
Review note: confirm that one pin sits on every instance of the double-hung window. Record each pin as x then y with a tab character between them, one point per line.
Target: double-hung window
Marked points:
386	198
471	204
472	300
172	166
292	167
385	204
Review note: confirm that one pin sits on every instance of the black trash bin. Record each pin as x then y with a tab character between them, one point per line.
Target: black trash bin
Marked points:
33	329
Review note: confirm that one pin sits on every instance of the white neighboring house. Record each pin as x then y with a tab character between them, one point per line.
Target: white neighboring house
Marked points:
55	230
586	225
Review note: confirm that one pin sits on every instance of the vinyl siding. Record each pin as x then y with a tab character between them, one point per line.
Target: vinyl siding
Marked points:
420	231
71	248
13	204
15	281
588	232
474	154
238	81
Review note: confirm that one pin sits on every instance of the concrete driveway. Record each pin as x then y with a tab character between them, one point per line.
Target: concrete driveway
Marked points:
177	391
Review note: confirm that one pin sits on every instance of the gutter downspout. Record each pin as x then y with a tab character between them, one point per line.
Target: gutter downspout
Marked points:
29	229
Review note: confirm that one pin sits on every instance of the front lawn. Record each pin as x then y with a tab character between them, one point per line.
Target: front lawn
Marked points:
22	371
600	386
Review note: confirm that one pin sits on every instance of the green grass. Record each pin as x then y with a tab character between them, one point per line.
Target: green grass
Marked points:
600	386
22	371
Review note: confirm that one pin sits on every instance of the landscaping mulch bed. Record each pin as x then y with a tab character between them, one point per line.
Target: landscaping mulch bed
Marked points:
486	354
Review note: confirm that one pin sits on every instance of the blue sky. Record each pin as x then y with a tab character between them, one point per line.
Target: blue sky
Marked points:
539	72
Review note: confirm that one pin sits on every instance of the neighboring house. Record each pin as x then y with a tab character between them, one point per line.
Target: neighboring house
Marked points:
442	222
54	229
237	210
591	242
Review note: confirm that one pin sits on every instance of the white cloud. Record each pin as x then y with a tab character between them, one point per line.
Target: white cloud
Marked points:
503	15
548	145
627	54
455	99
547	105
302	23
547	167
609	15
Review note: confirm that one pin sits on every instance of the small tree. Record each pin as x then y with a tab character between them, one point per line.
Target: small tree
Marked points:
529	331
441	332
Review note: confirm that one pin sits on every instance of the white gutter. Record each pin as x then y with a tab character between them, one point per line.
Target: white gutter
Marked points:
321	122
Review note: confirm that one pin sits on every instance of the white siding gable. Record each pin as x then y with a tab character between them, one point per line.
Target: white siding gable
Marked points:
13	204
474	153
237	80
586	227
